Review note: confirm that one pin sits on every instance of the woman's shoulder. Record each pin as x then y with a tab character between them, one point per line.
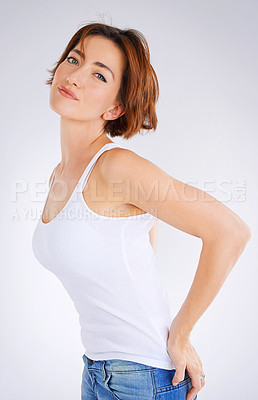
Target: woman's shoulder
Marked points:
120	162
121	156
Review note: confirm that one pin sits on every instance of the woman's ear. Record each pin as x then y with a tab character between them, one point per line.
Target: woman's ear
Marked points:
114	113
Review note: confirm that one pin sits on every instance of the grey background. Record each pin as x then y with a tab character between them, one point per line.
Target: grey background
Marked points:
205	56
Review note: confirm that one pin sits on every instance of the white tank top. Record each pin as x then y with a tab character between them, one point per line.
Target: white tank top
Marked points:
107	266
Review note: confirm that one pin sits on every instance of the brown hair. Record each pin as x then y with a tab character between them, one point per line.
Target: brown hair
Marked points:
139	90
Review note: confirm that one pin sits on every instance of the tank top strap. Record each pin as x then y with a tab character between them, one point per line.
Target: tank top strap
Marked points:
52	179
53	176
88	169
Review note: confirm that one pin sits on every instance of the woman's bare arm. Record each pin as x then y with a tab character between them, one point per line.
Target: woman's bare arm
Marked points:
223	233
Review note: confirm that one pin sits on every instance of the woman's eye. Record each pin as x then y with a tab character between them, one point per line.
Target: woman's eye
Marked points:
71	57
102	77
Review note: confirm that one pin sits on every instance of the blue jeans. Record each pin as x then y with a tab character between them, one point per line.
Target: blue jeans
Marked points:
128	380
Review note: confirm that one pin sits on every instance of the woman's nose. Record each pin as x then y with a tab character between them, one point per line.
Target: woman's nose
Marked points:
73	80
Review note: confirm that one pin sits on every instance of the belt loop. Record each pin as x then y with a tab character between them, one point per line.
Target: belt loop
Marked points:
103	371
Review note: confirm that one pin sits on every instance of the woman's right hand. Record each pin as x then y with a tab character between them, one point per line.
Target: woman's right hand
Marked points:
185	357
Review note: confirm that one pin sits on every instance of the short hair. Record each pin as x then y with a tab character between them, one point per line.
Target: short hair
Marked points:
139	89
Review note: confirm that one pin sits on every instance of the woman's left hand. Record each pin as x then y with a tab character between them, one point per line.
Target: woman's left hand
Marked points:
184	356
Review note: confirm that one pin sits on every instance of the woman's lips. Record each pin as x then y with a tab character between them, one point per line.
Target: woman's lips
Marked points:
65	94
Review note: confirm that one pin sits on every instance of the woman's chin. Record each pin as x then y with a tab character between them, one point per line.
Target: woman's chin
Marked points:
59	108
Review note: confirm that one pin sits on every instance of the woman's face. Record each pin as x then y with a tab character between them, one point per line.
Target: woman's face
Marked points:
95	86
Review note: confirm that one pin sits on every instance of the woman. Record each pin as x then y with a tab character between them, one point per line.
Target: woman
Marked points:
97	231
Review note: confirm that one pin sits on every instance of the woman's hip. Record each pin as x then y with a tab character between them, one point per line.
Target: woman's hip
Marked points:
128	380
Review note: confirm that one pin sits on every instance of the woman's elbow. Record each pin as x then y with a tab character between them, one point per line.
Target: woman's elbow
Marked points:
239	234
233	233
246	233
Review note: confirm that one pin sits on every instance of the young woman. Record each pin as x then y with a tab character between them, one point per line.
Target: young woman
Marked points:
97	231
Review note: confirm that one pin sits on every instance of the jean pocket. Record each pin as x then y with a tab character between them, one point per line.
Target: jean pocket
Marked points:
135	384
110	387
163	381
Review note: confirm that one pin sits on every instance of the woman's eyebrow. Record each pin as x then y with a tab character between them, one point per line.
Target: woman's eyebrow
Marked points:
98	63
